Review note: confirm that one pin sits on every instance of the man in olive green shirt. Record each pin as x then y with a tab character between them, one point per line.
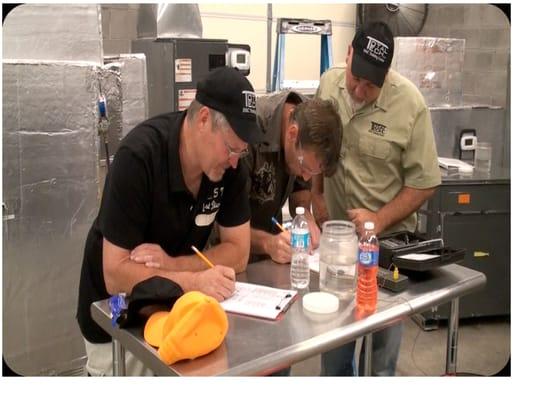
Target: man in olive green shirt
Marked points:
389	165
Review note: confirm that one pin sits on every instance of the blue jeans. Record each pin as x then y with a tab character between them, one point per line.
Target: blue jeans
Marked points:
385	350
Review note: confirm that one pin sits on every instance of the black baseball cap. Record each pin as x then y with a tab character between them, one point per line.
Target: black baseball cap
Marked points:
153	293
373	47
228	91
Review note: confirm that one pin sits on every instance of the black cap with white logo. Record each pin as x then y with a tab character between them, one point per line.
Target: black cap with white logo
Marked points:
226	90
373	47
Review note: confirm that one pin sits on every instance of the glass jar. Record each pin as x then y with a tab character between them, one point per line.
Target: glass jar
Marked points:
338	255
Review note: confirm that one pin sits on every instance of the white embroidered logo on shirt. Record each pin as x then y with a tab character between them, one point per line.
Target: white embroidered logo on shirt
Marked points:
205	219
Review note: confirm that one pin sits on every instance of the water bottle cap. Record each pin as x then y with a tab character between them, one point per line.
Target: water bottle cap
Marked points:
369	225
300	211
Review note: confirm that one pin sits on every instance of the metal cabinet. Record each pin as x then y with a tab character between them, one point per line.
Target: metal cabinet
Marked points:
474	212
174	67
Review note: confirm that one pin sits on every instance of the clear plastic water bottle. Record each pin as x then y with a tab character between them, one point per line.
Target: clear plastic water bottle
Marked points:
300	241
367	271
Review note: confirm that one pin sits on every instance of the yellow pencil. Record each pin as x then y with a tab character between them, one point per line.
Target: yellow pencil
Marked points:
278	224
204	258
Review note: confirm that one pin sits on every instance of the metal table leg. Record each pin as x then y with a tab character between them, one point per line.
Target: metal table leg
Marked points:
368	355
453	335
119	359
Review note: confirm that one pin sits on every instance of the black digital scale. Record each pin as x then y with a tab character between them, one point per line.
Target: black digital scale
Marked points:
410	252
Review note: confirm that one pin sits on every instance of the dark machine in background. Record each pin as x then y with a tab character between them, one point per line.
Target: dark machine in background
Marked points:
177	57
175	65
473	212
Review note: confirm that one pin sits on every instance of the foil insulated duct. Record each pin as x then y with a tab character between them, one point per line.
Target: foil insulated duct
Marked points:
50	199
134	91
68	32
169	21
123	83
134	84
110	86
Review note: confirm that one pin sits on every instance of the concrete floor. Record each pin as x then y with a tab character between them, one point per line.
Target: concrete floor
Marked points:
484	348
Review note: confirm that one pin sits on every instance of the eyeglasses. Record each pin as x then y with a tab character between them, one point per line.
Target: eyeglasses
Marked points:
304	168
233	153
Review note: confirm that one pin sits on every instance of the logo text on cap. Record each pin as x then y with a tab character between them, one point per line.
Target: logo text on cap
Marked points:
249	102
376	49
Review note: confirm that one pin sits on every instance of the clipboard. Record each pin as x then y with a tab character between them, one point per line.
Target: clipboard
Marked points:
258	300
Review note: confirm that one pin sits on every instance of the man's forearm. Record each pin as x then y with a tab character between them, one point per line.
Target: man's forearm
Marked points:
230	255
189	263
320	211
318	185
121	273
259	241
124	276
232	251
407	201
226	254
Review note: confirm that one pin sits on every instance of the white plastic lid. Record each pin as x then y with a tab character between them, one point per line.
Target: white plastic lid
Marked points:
300	211
369	225
466	169
321	302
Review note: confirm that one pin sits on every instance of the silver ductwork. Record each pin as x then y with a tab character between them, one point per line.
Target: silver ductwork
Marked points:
51	175
50	198
52	58
169	21
58	32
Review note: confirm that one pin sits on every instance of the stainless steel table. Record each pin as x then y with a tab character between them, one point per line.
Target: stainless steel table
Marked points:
259	347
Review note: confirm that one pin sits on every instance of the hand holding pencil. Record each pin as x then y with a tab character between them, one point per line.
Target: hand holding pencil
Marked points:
204	258
281	228
217	281
278	246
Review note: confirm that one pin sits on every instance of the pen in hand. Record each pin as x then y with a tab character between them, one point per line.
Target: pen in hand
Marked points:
274	220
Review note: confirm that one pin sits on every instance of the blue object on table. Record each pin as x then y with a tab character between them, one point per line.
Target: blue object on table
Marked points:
117	305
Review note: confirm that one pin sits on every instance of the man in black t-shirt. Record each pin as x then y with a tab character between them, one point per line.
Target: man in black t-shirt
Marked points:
304	139
172	177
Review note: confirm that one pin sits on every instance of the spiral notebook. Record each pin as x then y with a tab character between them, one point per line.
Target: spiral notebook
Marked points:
258	300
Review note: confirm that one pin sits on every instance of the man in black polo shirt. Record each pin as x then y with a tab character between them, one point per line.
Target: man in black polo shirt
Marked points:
172	177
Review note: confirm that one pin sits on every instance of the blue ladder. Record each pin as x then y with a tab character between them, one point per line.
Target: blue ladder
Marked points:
305	27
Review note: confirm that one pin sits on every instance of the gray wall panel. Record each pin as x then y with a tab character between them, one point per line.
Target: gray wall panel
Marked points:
489	124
